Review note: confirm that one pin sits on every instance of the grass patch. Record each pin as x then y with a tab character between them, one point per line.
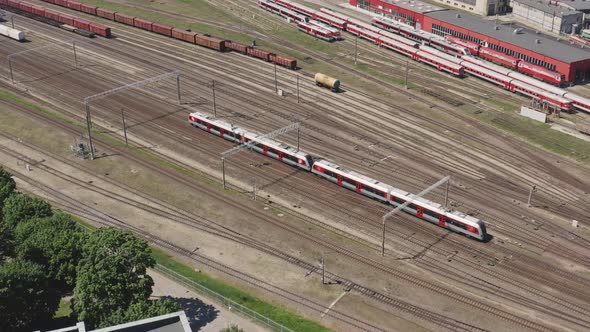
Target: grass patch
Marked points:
275	313
64	309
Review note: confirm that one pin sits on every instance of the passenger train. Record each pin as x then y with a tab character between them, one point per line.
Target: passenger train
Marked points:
420	207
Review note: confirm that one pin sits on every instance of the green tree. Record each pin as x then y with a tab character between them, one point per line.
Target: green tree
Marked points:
7	185
141	310
111	275
54	242
26	300
20	207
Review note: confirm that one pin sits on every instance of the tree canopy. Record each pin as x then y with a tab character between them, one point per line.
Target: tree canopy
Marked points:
20	207
112	274
54	242
141	310
7	185
26	301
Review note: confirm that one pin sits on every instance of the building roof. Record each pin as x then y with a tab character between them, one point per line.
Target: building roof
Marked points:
415	5
575	4
547	7
547	46
174	322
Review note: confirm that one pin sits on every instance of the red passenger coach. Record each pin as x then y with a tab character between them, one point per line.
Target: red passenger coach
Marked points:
471	46
499	57
541	72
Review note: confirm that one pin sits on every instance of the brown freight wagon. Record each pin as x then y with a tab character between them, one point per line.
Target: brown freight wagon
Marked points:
210	42
162	29
258	53
50	14
238	47
63	3
13	4
50	1
66	19
75	5
40	11
125	19
283	61
25	6
88	9
141	23
184	35
105	13
4	2
100	29
81	24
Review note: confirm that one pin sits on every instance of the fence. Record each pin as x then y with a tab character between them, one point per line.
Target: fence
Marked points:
228	303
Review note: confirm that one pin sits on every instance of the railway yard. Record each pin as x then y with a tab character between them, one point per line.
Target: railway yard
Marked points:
269	230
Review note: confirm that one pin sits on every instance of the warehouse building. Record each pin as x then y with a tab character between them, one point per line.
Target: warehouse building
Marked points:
548	16
408	8
582	6
528	45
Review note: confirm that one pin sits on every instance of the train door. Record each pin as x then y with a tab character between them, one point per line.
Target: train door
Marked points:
221	131
280	156
358	187
265	150
339	179
420	211
208	127
442	220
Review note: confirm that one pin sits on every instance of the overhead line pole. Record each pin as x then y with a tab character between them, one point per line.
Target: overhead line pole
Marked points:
408	202
214	105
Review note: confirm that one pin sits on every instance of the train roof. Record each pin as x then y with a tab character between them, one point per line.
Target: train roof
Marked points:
441	60
486	71
488	65
535	82
540	91
354	175
325	26
440	54
396	43
577	98
397	38
335	14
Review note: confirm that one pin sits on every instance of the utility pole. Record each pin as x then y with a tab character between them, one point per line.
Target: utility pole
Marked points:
178	88
124	126
297	139
323	270
254	188
214	105
533	189
10	67
12	20
356	38
407	70
223	171
447	194
297	89
89	125
75	55
276	83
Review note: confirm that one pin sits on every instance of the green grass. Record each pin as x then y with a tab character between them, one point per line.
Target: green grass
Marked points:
279	315
63	310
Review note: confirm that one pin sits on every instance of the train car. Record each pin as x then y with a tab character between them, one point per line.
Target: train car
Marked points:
283	61
541	73
66	19
210	42
487	65
396	46
75	5
162	29
184	35
420	207
398	38
258	53
578	101
269	148
125	19
387	24
100	30
363	33
499	57
316	31
38	10
333	31
300	8
109	15
328	12
439	63
327	81
472	47
439	54
282	11
447	47
330	20
88	9
238	47
487	74
544	96
536	83
52	15
81	24
25	6
142	24
63	3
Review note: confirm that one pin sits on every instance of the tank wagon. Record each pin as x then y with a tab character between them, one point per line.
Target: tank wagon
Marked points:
327	81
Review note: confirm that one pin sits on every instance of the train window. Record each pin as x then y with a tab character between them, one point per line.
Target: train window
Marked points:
430	213
398	200
228	133
214	127
349	181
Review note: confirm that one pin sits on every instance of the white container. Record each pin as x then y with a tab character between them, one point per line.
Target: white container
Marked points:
12	33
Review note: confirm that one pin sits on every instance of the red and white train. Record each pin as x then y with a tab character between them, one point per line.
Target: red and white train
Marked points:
318	31
420	207
282	11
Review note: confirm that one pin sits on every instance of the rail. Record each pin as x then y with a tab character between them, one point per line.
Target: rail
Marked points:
228	303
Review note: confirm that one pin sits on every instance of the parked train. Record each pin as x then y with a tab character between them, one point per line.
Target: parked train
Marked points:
12	33
196	38
420	207
40	11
